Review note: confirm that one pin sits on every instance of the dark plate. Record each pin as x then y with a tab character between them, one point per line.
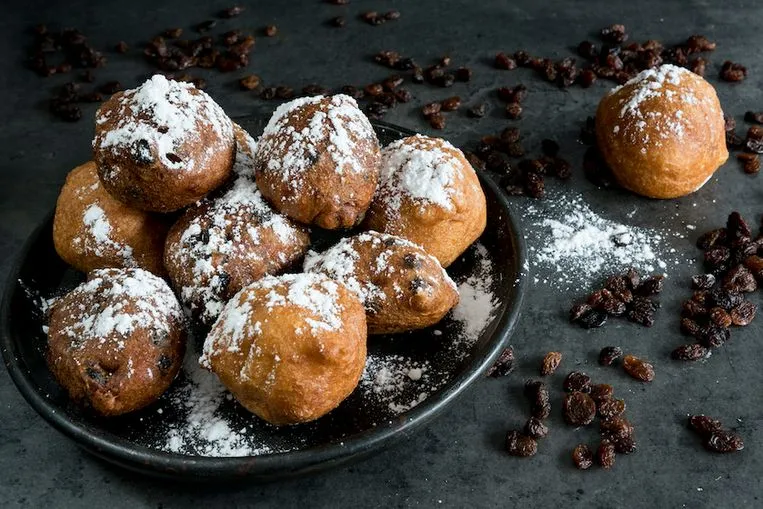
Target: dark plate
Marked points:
358	427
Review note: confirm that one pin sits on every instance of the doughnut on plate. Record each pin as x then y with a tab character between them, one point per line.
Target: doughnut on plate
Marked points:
410	378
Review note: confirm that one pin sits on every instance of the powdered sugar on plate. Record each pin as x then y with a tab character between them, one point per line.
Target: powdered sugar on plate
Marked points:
477	305
398	382
574	245
203	430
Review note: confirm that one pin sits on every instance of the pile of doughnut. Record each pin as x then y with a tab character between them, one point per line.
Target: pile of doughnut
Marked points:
181	219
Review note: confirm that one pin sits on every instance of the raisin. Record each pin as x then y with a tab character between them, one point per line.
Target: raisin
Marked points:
520	445
609	354
733	72
535	428
704	425
723	298
437	121
503	365
338	21
592	319
503	61
689	352
451	103
477	111
579	409
601	392
703	281
755	264
271	31
513	111
714	336
625	445
615	428
743	314
651	286
232	12
249	82
164	363
611	408
605	454
712	239
582	456
690	327
617	284
638	368
577	381
739	279
724	441
720	317
698	66
431	109
642	311
550	363
537	394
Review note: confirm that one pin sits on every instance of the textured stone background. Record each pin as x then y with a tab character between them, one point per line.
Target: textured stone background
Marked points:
458	460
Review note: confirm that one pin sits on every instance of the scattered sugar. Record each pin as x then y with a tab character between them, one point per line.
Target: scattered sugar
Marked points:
574	245
203	431
477	305
398	382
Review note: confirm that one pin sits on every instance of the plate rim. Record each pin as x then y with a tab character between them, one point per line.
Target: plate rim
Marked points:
157	463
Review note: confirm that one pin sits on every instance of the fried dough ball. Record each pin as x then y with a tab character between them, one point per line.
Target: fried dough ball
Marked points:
222	244
92	230
662	132
162	146
318	161
116	342
429	194
402	287
290	348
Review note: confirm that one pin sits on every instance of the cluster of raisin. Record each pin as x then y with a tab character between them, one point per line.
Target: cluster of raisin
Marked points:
583	401
616	60
433	112
714	436
498	154
525	443
623	295
734	266
750	146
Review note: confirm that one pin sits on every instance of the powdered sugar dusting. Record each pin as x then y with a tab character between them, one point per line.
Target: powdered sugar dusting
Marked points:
420	168
335	127
157	118
152	306
398	382
98	236
317	295
574	244
228	227
340	263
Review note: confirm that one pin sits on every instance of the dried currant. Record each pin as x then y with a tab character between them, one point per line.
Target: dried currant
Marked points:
638	368
579	409
577	381
609	354
582	456
520	445
550	363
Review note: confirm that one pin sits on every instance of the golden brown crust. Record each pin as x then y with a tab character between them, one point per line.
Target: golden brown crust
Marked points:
92	230
289	348
662	133
430	195
401	286
221	245
116	342
317	161
162	146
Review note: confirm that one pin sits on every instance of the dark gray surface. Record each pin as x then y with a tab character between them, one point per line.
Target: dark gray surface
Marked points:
458	460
